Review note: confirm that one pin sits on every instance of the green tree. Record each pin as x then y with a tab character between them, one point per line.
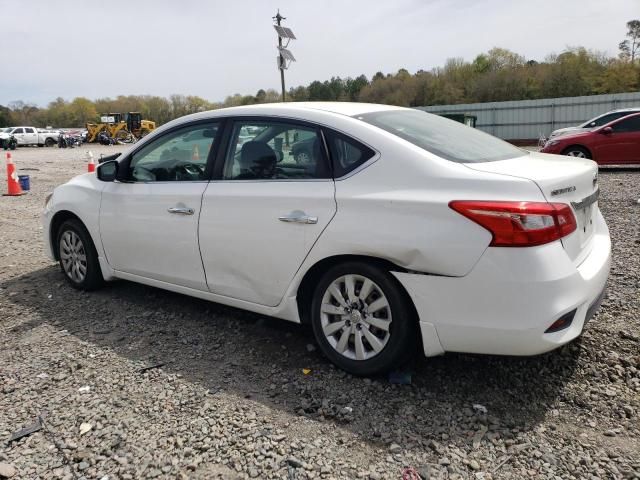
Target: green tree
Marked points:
5	116
629	48
82	110
353	86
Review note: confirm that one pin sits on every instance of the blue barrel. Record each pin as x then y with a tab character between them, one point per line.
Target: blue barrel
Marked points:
25	184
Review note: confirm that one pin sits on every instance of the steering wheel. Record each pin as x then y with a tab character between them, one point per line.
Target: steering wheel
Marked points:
189	171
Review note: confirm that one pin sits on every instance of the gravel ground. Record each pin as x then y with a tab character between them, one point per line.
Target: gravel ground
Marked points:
231	400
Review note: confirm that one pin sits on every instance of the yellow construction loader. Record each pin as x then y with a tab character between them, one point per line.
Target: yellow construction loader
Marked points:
127	130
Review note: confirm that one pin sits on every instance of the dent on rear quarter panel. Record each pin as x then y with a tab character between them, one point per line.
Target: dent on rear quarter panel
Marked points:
399	210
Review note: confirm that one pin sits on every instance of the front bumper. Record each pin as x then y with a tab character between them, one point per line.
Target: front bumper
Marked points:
47	216
554	149
510	298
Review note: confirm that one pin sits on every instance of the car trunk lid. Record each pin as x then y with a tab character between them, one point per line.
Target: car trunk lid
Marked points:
567	180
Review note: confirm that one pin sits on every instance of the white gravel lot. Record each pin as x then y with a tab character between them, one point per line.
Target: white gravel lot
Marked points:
231	400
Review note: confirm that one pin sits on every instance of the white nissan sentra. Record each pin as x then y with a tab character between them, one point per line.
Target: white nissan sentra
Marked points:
385	228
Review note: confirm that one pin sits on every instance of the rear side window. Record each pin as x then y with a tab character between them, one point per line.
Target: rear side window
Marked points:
275	150
346	153
443	137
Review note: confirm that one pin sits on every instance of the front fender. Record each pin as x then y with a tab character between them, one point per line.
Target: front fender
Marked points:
80	197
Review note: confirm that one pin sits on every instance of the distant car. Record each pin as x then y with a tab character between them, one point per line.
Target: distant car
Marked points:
302	150
617	142
7	140
403	230
30	136
595	122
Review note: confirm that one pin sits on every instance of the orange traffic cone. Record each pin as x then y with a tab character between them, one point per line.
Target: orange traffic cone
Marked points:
195	153
91	166
13	185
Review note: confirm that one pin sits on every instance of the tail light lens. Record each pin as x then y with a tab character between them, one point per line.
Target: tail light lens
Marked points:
519	224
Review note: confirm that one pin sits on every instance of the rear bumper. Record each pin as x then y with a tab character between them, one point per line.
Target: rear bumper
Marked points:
510	298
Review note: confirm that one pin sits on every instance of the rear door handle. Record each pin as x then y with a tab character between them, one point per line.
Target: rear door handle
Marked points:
181	210
298	216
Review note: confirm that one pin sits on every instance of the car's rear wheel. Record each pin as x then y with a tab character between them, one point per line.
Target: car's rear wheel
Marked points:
362	320
577	151
78	257
49	142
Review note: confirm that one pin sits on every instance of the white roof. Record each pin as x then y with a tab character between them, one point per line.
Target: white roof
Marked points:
287	108
343	108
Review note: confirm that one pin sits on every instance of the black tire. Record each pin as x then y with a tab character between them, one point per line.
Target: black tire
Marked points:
49	142
92	278
577	151
402	329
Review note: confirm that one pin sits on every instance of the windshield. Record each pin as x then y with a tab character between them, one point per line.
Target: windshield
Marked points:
446	138
604	119
6	130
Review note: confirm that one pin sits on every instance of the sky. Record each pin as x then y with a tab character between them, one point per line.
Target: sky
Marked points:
214	48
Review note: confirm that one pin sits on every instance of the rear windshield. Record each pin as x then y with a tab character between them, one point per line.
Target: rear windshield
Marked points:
446	138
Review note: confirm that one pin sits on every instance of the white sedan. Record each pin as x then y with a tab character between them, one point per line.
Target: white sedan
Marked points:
402	230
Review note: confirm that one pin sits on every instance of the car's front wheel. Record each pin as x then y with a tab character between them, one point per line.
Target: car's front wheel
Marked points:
362	320
577	151
78	257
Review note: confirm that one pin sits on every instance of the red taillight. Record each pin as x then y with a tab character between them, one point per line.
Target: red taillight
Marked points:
519	224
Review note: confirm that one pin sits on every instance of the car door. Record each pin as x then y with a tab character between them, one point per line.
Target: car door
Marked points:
19	134
30	136
264	210
621	144
149	218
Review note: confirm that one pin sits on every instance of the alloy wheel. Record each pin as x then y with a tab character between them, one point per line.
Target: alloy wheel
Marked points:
576	153
73	256
355	316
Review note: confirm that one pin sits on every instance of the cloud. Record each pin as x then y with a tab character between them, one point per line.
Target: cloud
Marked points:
217	48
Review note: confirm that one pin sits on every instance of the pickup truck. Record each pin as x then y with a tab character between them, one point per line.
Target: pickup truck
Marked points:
30	136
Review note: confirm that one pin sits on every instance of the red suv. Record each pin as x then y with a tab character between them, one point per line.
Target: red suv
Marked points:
616	142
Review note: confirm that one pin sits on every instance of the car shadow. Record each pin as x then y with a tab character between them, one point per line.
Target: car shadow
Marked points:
252	356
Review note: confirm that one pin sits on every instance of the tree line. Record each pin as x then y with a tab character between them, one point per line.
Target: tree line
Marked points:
496	75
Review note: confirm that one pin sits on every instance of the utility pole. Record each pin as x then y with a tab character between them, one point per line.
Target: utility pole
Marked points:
284	55
279	18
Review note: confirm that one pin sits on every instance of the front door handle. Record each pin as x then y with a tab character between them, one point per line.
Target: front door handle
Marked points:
298	216
181	210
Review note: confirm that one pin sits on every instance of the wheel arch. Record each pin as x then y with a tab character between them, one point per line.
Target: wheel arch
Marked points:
313	274
581	147
58	219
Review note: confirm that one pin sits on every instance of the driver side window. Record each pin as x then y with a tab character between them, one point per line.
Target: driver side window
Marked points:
176	156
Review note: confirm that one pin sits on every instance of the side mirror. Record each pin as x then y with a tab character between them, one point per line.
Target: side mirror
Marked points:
607	130
107	171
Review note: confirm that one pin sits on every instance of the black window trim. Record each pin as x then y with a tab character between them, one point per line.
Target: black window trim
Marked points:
225	145
217	154
213	151
372	159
